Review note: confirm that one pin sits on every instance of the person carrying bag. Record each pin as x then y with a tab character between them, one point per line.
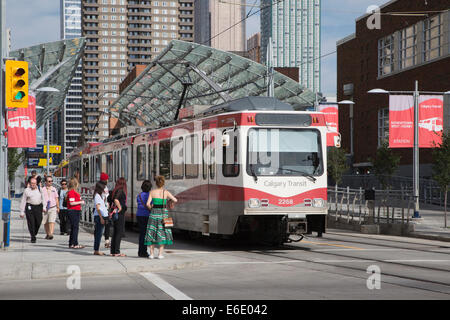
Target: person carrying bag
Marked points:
157	232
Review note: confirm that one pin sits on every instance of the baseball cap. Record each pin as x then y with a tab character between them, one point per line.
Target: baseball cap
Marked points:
104	177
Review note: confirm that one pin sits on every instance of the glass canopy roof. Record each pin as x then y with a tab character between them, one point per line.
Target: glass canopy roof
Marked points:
43	62
187	73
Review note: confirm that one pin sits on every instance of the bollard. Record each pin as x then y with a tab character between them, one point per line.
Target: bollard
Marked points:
6	216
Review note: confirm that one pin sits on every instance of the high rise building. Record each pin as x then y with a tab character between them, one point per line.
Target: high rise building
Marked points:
294	27
254	47
67	127
218	24
121	34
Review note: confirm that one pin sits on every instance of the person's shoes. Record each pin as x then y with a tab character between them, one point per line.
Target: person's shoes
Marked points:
33	240
143	255
47	237
61	234
98	253
151	257
50	237
161	257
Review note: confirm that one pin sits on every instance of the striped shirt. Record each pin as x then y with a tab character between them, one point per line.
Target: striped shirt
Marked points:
30	196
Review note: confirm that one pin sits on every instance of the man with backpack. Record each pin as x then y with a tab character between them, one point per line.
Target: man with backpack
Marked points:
64	226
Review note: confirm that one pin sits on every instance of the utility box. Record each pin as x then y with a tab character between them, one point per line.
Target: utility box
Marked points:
5	228
369	194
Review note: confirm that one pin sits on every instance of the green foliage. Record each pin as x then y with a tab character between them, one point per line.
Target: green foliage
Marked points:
337	164
441	162
15	159
385	164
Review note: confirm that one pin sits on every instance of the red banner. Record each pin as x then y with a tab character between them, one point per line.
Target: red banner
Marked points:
22	126
431	121
331	112
401	121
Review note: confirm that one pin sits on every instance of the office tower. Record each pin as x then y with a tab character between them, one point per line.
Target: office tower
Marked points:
68	125
121	34
254	47
294	27
221	24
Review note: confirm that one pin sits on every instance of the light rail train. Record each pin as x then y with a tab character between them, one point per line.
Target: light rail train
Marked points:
250	166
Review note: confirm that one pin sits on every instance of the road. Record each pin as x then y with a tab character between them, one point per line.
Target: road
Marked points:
328	268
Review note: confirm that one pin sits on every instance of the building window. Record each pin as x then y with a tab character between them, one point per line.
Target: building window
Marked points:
433	38
386	55
383	126
408	47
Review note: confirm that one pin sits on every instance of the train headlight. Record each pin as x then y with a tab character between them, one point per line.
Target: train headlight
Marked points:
318	203
254	203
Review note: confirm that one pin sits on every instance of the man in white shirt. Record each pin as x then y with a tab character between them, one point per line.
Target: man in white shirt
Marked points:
31	206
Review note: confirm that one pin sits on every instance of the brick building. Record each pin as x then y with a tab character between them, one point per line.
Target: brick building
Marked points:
406	48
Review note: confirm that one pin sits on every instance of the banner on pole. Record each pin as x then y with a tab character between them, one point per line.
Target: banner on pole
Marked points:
22	126
401	121
331	112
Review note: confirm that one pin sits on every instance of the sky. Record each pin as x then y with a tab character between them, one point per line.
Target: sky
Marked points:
37	21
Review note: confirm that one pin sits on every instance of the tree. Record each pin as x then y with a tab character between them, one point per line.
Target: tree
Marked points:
441	168
15	159
385	164
337	164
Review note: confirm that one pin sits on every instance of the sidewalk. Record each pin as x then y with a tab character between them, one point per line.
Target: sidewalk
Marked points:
51	258
431	224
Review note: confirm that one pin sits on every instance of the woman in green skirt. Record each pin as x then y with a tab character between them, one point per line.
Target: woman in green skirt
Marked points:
156	233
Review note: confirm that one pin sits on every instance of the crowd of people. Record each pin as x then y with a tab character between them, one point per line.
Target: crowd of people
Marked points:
43	203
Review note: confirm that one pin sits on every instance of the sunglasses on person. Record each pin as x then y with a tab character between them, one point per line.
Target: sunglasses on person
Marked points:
50	181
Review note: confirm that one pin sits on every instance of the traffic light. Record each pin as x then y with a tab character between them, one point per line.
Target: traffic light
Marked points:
16	84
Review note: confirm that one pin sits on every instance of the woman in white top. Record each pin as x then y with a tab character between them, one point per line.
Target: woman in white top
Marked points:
100	215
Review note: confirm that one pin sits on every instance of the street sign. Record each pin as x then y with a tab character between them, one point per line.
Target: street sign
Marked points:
39	149
43	162
37	162
53	149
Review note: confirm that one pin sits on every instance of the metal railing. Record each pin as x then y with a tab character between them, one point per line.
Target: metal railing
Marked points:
389	206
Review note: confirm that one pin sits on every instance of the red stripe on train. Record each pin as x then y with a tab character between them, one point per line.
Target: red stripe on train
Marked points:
229	193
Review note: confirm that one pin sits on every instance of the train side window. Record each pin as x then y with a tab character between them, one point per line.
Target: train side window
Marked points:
117	163
98	168
140	162
155	158
230	164
103	166
150	161
204	164
124	171
212	166
109	164
86	170
177	158
164	158
191	154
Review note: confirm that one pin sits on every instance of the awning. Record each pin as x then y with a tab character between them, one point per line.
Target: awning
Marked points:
187	73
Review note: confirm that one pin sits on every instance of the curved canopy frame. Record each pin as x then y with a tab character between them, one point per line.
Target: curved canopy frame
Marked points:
187	73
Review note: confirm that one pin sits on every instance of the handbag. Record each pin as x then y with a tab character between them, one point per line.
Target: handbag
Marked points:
168	222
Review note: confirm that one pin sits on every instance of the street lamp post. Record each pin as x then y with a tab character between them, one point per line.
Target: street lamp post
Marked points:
416	94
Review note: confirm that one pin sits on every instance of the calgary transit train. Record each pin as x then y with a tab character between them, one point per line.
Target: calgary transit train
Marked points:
249	166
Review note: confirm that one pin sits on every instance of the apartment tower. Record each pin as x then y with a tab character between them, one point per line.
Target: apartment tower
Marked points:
121	34
294	27
68	127
220	24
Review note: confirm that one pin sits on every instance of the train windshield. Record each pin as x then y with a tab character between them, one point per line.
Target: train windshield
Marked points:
284	152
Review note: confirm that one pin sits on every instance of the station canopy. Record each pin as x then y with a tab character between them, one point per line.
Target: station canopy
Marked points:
53	65
187	73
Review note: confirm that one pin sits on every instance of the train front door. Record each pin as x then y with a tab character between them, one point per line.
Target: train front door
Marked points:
210	154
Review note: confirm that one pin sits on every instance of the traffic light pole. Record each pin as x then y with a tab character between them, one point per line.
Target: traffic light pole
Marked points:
3	143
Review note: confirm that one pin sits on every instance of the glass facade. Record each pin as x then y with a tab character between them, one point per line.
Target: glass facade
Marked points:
294	27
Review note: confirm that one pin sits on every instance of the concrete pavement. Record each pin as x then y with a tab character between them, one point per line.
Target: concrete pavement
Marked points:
53	258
